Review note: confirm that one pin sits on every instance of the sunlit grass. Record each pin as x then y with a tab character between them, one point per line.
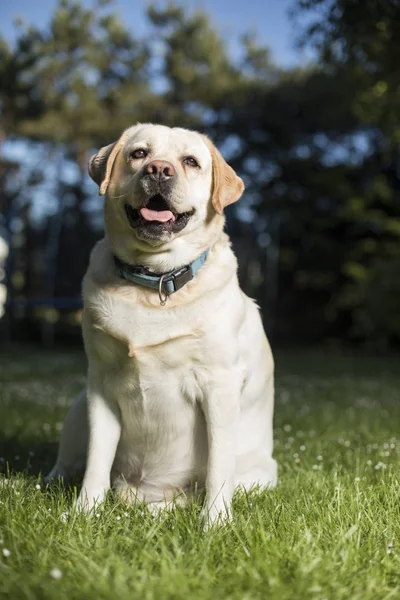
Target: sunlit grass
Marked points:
330	530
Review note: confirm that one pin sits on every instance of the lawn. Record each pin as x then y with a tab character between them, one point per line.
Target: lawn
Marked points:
331	530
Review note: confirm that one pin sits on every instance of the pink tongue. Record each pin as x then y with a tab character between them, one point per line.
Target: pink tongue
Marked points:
157	215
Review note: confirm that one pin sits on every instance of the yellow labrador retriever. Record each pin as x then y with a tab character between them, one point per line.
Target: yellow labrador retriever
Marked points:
180	387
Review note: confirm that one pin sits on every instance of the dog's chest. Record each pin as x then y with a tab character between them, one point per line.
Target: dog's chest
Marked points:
152	369
146	354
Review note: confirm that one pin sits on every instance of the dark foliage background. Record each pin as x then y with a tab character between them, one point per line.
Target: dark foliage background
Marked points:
317	233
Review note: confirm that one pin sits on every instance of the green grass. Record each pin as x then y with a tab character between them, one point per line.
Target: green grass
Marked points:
331	530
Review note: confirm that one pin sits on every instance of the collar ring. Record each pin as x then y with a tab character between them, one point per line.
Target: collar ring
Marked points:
162	294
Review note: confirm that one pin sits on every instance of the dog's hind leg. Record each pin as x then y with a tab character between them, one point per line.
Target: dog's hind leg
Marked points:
72	450
262	475
155	500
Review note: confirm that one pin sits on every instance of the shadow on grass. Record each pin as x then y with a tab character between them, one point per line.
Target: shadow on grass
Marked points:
34	459
30	457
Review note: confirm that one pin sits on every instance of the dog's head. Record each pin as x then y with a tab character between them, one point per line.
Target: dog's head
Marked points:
160	184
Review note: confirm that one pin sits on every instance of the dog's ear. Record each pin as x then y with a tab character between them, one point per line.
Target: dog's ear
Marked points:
227	187
101	165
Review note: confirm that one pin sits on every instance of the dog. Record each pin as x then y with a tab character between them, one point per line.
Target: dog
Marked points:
180	386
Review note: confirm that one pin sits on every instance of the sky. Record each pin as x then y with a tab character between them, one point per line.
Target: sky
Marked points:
267	18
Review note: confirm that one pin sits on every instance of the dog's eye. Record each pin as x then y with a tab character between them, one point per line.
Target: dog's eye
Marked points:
190	161
138	153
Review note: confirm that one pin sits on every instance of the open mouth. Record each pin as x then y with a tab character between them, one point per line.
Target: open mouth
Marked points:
156	217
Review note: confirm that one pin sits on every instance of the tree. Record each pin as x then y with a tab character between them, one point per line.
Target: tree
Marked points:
91	75
362	39
363	36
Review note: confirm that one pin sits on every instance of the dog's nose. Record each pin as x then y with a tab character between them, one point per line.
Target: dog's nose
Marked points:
160	169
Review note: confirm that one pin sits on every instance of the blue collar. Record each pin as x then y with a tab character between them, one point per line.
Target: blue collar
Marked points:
165	283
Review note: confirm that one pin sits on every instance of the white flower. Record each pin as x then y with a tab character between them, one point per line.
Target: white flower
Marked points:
356	479
37	486
287	428
302	448
64	517
118	518
6	552
319	457
56	573
380	465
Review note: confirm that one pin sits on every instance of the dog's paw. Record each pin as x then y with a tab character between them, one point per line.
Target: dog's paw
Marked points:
216	515
157	508
89	499
57	474
52	480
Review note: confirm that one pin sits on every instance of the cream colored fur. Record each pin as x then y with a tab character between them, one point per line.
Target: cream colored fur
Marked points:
179	397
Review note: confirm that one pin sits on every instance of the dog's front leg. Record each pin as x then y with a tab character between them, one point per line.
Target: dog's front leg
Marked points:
221	409
104	434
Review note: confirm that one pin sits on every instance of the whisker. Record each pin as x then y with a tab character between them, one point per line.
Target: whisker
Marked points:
119	197
126	193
